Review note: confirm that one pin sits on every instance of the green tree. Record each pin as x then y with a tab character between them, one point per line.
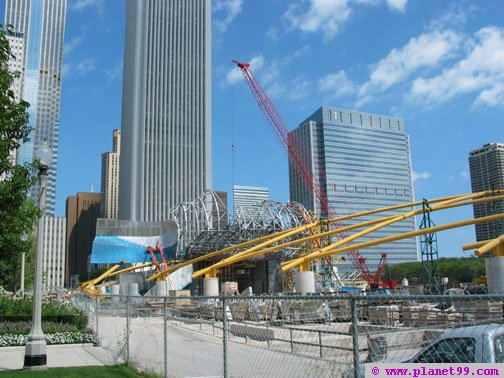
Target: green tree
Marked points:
17	212
464	269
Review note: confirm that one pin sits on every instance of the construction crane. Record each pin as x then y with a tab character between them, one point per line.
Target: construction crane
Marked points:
279	128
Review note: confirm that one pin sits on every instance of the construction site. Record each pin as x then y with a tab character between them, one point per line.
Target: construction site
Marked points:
272	247
283	289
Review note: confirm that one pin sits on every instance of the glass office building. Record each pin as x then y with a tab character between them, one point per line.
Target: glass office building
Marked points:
363	162
247	198
166	108
42	24
486	165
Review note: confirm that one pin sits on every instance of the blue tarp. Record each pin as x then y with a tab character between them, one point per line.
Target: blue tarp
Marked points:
114	249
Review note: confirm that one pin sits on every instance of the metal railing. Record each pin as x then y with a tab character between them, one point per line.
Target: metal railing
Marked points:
281	336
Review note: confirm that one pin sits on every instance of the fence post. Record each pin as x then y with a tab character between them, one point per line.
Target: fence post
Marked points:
355	338
291	341
165	340
225	336
127	331
97	303
320	342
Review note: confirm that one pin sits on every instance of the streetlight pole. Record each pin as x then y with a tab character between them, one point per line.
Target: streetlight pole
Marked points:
35	350
24	238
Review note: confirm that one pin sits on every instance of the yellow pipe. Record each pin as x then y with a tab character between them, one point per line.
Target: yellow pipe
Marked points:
171	269
475	245
492	244
130	269
440	206
410	234
104	275
238	256
349	216
453	202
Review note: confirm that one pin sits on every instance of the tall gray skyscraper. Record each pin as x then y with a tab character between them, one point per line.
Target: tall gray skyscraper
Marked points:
247	198
42	25
486	165
166	109
363	160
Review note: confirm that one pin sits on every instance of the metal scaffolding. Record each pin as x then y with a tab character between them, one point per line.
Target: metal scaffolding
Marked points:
203	224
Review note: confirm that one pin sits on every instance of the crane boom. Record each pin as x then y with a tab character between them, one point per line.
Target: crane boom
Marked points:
280	130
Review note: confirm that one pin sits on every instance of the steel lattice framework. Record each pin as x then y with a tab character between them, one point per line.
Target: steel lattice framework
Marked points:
203	224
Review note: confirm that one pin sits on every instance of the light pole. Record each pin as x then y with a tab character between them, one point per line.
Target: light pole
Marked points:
35	350
24	238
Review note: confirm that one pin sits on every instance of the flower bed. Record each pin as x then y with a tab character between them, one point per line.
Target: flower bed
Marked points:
8	340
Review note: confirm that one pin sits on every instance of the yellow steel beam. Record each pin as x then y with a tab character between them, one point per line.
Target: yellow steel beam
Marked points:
448	202
104	275
410	234
467	247
492	244
173	268
451	202
130	269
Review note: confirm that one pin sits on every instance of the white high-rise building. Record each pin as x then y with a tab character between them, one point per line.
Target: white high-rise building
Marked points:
166	108
54	250
42	26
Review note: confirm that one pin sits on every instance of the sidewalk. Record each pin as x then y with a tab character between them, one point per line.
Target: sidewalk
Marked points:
12	358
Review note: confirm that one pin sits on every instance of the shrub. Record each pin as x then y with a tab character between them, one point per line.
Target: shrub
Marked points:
13	309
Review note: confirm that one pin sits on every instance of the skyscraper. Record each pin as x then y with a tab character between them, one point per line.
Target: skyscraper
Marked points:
109	201
363	161
166	108
246	198
54	252
486	165
42	25
82	212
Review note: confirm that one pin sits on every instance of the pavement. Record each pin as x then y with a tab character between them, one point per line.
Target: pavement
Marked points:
69	355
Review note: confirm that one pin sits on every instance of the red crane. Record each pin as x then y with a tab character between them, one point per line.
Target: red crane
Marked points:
279	128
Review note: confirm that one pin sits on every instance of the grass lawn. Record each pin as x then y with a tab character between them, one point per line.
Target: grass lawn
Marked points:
79	372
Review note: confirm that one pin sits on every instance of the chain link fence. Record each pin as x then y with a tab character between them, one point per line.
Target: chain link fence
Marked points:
291	336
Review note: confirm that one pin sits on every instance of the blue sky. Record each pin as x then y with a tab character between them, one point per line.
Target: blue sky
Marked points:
437	64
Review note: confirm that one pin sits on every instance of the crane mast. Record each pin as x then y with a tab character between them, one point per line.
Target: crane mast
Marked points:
280	130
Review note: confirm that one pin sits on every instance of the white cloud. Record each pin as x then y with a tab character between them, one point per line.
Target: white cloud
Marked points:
464	174
235	75
114	72
72	45
337	84
321	15
230	8
67	68
81	5
481	71
397	5
421	175
85	66
427	50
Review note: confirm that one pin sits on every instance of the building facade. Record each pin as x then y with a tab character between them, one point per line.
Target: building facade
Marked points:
486	165
82	212
109	202
362	161
246	198
16	61
166	108
42	25
54	259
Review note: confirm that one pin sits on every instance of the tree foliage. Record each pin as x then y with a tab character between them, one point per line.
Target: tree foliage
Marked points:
456	269
17	212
